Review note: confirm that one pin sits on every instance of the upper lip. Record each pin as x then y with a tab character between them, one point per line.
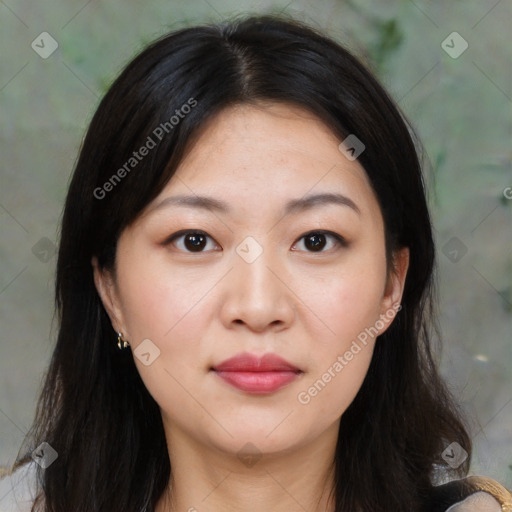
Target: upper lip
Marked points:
246	362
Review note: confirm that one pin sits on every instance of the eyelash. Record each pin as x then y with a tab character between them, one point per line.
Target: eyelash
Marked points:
338	238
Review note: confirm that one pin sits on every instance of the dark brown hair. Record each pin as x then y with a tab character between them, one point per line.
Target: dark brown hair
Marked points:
94	409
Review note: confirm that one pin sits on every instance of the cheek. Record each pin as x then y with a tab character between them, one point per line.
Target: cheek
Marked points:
170	309
349	305
349	300
330	392
339	362
157	299
174	309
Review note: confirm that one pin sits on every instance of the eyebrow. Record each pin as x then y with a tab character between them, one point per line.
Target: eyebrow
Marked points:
292	206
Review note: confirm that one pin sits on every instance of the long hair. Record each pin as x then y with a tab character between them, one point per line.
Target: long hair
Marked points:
94	409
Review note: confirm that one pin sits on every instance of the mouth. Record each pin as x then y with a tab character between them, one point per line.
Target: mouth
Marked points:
257	375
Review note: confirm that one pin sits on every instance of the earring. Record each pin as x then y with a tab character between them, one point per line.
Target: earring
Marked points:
122	344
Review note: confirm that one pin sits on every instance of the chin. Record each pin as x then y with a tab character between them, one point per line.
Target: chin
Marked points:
253	440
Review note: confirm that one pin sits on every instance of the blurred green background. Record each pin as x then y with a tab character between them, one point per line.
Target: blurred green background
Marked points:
458	100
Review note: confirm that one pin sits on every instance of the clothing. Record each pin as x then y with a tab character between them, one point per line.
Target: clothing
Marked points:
16	490
471	494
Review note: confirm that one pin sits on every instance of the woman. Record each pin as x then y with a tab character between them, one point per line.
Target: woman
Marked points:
244	288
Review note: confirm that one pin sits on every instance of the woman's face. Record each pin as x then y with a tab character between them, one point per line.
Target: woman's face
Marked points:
251	282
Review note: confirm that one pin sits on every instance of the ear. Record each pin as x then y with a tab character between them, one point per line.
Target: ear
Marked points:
106	287
394	286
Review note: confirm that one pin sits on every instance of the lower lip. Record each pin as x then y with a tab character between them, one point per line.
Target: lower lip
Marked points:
258	382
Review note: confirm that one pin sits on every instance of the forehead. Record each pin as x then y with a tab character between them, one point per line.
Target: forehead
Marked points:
260	155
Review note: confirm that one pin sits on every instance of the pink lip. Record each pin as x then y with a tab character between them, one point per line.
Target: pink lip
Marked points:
255	374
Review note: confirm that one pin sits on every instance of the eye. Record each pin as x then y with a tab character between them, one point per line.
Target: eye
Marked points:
192	241
196	241
315	241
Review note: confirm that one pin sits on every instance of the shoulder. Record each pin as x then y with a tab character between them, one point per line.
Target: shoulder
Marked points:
17	490
471	494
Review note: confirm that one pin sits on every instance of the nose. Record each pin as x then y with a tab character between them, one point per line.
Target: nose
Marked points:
258	296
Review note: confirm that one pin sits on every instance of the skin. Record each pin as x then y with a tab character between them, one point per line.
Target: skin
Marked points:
200	308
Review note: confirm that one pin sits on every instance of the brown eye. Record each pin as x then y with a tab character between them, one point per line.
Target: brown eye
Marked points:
195	242
316	241
190	241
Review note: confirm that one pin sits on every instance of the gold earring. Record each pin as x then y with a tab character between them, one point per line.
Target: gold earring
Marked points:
122	344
